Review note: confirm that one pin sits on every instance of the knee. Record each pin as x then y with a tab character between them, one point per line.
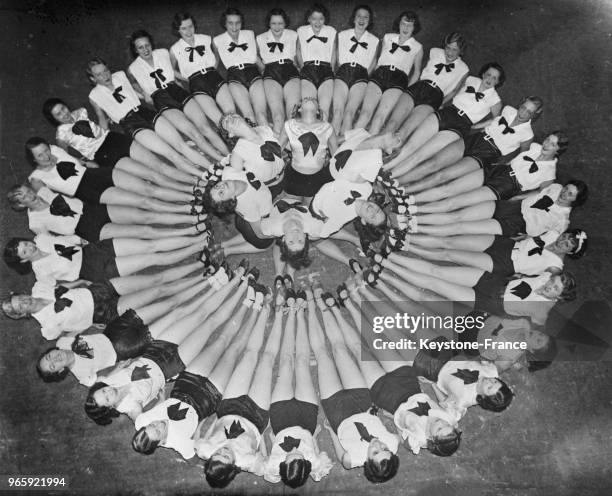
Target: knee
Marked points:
149	218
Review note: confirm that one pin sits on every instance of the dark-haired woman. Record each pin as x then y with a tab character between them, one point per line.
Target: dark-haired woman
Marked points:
237	49
195	60
152	70
399	65
317	56
277	50
442	77
476	100
357	50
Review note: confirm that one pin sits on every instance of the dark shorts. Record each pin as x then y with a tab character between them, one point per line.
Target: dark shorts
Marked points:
508	214
317	74
244	406
485	152
93	219
105	302
489	292
386	78
428	363
300	184
198	392
114	147
345	403
501	180
137	120
99	262
451	119
423	93
166	356
206	84
291	413
501	254
246	76
395	387
93	184
281	73
249	235
172	97
352	74
128	334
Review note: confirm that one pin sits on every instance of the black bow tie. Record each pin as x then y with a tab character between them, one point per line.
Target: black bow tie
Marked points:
82	128
544	203
269	150
477	94
252	181
60	208
117	95
341	158
440	66
357	43
158	76
65	251
309	141
352	198
175	413
466	375
60	302
235	430
199	49
66	170
539	246
395	46
283	206
363	432
521	290
497	329
534	166
273	45
322	39
507	128
317	215
289	443
421	410
233	46
80	347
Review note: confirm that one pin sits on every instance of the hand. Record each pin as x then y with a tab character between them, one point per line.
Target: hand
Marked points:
36	184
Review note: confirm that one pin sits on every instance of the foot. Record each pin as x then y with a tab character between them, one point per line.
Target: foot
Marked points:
355	265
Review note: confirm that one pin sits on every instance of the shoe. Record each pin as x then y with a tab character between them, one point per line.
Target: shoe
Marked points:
343	294
244	263
291	297
370	277
253	273
355	265
329	300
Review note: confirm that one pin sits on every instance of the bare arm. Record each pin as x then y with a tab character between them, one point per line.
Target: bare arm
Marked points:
416	68
103	119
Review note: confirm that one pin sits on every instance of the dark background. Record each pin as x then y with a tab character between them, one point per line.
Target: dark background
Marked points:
554	438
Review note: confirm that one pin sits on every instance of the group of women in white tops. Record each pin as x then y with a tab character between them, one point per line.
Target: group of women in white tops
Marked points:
311	136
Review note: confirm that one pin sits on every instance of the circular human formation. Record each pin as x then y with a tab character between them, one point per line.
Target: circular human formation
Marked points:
305	138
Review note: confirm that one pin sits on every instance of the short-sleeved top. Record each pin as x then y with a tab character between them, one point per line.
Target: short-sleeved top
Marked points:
308	144
416	411
272	49
399	56
531	258
335	204
354	51
64	259
182	421
317	48
102	354
84	135
263	160
192	59
541	212
356	165
521	298
502	331
119	102
476	104
156	77
459	379
234	53
145	380
446	76
530	172
283	445
254	204
55	219
506	137
238	434
273	225
71	310
65	176
354	443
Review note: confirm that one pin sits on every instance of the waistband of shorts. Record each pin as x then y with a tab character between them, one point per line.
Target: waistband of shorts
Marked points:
317	62
281	62
240	67
201	71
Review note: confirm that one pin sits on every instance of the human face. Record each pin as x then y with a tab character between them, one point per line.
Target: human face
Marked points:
378	451
143	47
438	427
316	21
101	74
391	142
223	190
568	194
488	386
61	114
277	24
309	108
490	78
371	213
566	243
26	250
186	29
235	125
26	196
22	304
233	24
224	455
54	361
536	340
294	238
553	288
452	51
362	19
406	27
106	396
527	110
43	156
157	430
551	144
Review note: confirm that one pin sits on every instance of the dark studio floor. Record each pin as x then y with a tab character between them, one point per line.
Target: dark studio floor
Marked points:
555	437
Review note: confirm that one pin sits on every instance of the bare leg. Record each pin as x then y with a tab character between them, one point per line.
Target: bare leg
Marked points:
209	107
355	99
470	242
129	284
225	101
480	211
170	134
112	231
388	102
143	155
467	258
325	94
293	94
401	110
257	95
372	96
118	196
274	97
130	215
341	92
461	168
448	155
283	389
415	119
147	173
240	96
